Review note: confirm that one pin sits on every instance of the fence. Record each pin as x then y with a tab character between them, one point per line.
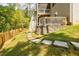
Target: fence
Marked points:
4	36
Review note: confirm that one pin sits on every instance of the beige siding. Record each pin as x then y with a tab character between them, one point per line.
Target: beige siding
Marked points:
63	9
43	5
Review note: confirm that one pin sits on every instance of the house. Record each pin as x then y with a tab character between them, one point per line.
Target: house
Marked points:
54	16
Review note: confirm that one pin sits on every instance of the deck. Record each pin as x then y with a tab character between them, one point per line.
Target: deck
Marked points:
50	24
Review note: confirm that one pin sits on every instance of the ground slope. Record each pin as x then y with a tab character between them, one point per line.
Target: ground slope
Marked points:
21	46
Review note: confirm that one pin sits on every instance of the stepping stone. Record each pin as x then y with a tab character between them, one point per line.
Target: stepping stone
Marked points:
76	44
47	42
36	40
60	43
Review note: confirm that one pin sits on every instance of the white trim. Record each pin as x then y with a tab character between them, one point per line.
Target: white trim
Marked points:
71	12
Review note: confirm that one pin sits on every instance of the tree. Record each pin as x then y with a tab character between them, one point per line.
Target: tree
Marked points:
13	16
5	18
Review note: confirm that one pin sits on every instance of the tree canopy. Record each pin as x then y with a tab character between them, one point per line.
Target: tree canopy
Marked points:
12	18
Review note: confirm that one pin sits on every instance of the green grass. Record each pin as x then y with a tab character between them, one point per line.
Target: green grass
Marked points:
70	33
21	46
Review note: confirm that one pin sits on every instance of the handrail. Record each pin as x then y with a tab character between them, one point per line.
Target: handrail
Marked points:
43	10
53	20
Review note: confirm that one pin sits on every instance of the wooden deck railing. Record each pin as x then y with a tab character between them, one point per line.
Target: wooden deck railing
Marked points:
50	24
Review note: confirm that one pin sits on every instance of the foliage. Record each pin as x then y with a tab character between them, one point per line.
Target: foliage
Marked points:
19	20
11	18
5	17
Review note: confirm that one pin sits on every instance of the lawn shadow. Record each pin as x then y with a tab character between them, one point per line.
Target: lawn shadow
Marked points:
21	49
29	48
60	37
60	51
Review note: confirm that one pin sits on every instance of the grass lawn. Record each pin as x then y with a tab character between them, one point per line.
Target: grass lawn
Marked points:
21	46
69	33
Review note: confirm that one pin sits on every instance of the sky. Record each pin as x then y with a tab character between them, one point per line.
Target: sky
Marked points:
4	4
21	5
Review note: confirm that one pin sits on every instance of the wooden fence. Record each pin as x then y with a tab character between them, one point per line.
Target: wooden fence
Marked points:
4	36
